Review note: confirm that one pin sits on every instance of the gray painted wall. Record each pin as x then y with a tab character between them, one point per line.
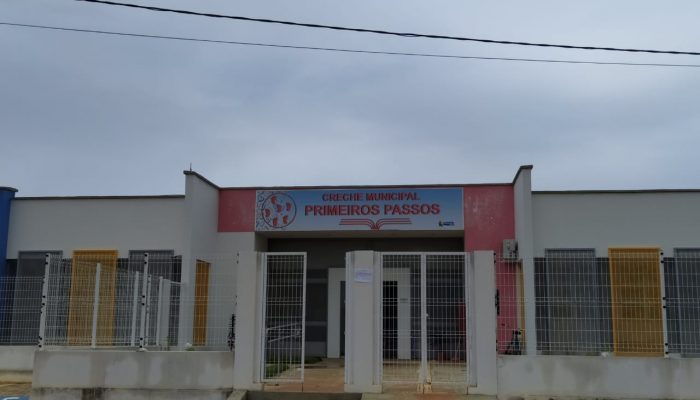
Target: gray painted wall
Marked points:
602	220
122	224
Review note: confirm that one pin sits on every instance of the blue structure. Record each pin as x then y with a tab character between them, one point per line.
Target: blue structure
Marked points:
6	196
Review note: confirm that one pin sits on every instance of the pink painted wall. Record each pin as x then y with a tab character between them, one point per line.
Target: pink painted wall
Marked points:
237	210
489	217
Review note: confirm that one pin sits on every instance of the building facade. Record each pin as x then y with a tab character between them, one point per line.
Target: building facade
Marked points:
577	273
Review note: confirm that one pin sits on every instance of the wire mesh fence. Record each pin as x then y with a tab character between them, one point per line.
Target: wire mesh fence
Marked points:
20	308
96	300
284	310
682	281
632	303
446	324
401	317
510	307
425	318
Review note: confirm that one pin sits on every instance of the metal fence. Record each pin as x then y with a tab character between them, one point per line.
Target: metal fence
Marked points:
510	307
425	318
632	303
283	302
20	308
140	302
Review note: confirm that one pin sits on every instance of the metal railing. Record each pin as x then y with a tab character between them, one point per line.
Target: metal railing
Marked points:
136	303
632	303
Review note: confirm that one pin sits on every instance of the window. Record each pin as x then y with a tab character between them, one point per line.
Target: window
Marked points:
682	276
20	315
572	302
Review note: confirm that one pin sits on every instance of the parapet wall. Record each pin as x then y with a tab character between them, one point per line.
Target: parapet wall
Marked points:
598	377
149	370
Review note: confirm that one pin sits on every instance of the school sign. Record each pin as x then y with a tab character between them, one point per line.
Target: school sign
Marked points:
429	209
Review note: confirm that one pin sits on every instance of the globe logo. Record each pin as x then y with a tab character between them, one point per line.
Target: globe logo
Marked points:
278	210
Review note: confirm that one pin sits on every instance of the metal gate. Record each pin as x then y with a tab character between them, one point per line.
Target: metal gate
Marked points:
425	318
283	315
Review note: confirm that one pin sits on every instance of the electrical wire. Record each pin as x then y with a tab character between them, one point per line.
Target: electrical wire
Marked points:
392	33
341	50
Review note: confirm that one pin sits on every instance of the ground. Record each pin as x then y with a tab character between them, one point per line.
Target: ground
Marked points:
15	389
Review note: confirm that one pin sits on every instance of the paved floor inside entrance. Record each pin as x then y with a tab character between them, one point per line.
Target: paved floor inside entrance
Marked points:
328	376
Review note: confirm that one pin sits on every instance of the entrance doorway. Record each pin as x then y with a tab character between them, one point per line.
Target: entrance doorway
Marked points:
323	289
427	341
397	332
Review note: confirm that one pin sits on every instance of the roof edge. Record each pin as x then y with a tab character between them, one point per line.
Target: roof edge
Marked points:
613	191
8	189
521	169
201	177
136	197
333	187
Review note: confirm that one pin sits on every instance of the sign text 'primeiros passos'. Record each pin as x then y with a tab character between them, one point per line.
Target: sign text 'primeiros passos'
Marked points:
359	209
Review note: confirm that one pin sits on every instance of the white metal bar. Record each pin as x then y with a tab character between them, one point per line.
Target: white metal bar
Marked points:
142	329
423	321
134	308
159	309
469	319
303	320
348	317
263	324
44	300
148	307
96	305
379	319
664	304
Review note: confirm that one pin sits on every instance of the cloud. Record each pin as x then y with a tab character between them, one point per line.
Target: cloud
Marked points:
88	114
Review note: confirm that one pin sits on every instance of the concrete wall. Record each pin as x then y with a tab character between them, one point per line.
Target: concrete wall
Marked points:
77	369
16	363
602	220
200	238
524	226
598	377
123	224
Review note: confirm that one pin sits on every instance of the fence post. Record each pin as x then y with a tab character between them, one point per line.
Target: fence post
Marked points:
423	320
44	301
159	309
142	331
134	309
96	305
663	303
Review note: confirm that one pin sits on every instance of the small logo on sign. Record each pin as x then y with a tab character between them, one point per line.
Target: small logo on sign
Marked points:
446	223
278	210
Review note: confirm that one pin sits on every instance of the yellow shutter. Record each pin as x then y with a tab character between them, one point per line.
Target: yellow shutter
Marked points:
82	292
201	300
635	283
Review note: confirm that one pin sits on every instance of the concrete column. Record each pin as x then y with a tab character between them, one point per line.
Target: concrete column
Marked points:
524	234
246	374
363	289
486	356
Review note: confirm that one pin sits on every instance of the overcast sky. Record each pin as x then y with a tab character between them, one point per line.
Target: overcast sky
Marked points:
86	114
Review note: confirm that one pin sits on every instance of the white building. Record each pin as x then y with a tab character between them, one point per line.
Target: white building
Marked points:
591	288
